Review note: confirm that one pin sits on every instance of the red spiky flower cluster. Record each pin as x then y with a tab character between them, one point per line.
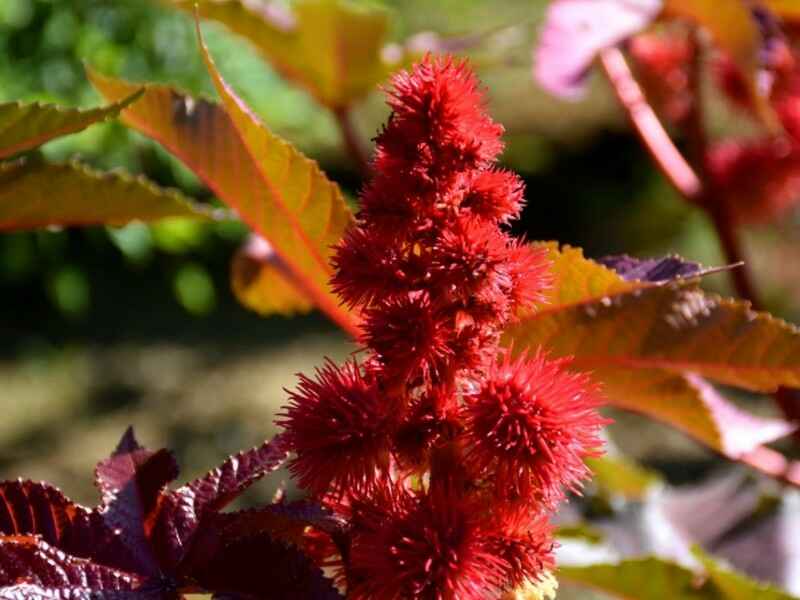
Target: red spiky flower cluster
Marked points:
444	454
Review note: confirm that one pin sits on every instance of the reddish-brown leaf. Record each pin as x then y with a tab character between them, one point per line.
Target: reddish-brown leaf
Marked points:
29	559
184	509
132	481
259	567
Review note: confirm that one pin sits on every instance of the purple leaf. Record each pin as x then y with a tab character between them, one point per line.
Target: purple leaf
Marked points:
132	482
28	508
654	270
183	509
575	31
30	559
259	567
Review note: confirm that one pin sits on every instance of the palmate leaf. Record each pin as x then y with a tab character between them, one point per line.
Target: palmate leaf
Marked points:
26	126
31	560
37	194
278	192
145	541
642	338
333	48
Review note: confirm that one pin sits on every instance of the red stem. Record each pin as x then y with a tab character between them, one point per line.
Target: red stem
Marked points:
352	141
696	187
648	126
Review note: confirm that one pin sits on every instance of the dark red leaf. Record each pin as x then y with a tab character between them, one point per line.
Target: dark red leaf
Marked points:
184	508
35	592
132	482
28	508
258	567
29	559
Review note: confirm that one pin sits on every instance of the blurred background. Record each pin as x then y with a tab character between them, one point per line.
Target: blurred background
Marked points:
102	327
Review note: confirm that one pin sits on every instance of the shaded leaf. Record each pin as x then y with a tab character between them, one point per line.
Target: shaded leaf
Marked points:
132	481
736	32
263	568
184	509
25	126
285	522
37	194
278	192
31	560
575	31
333	48
263	283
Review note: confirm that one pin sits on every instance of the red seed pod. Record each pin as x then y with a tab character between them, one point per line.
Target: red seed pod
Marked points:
339	425
529	427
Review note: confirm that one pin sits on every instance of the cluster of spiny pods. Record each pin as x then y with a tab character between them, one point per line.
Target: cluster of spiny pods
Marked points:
444	453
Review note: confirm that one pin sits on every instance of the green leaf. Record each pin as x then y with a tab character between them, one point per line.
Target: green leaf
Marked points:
331	47
263	283
619	475
36	194
735	31
641	579
26	126
643	340
736	586
282	195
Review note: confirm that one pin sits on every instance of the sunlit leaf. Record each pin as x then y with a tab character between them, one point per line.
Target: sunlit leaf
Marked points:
641	339
333	48
262	282
278	192
25	126
36	194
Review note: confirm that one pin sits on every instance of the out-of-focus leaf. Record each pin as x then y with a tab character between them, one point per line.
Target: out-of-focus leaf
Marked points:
618	475
575	31
735	586
279	193
25	126
735	31
642	579
656	579
263	283
788	9
36	194
36	592
333	48
641	339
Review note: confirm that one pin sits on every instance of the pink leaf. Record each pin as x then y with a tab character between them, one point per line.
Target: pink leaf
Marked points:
576	30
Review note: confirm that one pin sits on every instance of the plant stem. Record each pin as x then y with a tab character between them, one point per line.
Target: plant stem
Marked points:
696	187
648	126
355	147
